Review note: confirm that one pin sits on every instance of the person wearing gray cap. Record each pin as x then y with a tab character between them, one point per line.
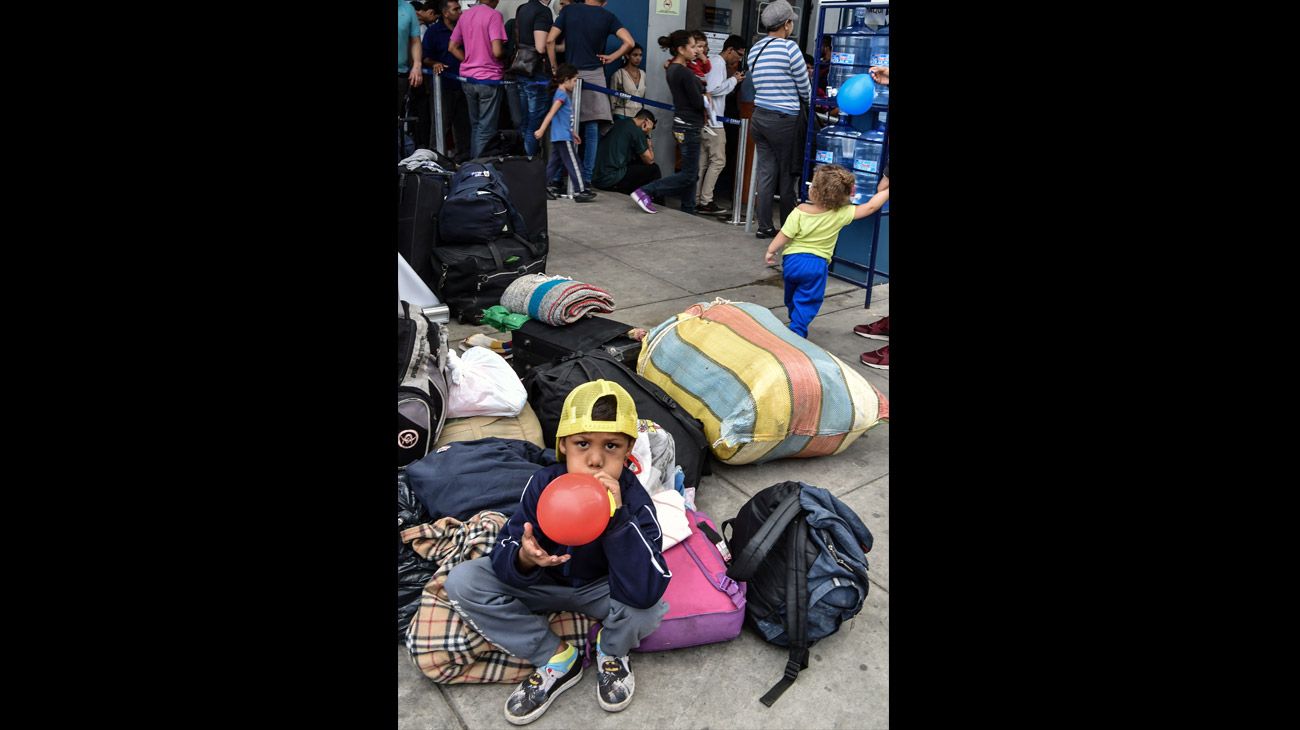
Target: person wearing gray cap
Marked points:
780	85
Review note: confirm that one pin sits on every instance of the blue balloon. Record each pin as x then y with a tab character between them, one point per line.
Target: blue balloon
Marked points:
856	94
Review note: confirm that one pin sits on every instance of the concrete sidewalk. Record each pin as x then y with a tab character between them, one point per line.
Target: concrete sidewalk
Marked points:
655	266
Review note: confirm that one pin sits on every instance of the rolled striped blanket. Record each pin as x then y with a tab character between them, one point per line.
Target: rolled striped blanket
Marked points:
761	391
555	300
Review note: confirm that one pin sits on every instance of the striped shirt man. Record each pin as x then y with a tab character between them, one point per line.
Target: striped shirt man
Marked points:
780	77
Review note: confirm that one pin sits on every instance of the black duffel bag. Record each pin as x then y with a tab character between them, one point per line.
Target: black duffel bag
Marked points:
469	279
549	385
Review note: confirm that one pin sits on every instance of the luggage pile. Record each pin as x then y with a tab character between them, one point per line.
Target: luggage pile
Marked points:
469	233
722	380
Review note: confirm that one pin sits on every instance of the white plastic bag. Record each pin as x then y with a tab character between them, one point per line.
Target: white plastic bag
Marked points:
482	383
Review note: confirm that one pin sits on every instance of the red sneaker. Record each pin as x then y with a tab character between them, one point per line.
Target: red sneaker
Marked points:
878	330
878	359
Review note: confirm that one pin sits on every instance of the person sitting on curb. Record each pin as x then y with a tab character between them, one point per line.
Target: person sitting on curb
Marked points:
625	159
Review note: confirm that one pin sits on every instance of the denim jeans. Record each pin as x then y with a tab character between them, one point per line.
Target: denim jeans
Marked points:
534	98
590	140
681	182
484	103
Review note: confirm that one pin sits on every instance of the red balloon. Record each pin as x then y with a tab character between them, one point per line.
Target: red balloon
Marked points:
573	509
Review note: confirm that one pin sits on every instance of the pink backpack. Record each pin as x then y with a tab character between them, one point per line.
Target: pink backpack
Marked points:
705	606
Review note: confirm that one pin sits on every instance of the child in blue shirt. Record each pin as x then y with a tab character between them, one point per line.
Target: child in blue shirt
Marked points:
564	138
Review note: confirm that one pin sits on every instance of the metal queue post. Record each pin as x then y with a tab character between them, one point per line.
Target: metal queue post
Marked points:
439	135
738	186
573	122
753	193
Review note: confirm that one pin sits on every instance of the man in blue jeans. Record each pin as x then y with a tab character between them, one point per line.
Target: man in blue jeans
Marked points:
533	24
586	28
479	42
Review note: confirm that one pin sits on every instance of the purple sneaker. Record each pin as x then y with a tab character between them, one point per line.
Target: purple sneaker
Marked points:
643	200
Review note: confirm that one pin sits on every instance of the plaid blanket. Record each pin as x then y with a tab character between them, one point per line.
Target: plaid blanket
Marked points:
443	647
555	300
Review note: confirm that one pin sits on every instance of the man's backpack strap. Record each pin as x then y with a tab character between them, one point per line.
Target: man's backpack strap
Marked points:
761	543
796	612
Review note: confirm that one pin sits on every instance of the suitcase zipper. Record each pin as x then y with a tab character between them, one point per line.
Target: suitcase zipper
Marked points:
521	271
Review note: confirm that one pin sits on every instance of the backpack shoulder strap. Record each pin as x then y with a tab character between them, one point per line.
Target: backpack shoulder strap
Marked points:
796	611
761	543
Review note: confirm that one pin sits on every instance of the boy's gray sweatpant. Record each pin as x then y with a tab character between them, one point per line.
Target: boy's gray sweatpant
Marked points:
515	618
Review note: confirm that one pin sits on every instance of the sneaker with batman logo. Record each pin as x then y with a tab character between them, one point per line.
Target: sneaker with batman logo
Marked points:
538	690
615	683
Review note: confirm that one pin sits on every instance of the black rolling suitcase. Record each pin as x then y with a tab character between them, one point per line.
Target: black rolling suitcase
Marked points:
419	200
537	344
526	178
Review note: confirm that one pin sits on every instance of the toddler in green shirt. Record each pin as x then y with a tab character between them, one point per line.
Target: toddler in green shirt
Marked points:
812	230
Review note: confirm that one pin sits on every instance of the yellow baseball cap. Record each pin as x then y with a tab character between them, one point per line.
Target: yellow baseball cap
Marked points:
576	415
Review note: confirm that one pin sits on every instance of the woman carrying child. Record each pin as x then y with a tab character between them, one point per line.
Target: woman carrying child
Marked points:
688	100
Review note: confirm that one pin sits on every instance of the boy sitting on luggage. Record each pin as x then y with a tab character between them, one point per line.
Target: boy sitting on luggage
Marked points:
812	230
618	578
564	139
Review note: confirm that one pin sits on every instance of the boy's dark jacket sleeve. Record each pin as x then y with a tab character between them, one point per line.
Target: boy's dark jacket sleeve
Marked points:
506	552
638	575
629	549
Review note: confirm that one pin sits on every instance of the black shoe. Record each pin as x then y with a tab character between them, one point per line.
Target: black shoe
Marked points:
585	196
536	693
765	233
710	209
614	683
551	194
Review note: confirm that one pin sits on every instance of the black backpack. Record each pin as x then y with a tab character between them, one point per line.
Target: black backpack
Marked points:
421	383
549	385
477	209
806	571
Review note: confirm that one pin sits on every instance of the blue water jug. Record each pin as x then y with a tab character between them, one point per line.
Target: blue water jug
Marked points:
880	57
879	48
850	52
858	152
837	144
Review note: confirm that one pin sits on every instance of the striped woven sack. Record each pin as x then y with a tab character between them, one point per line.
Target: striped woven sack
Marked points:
762	392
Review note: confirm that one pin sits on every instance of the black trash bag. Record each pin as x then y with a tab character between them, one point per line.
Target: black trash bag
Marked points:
413	571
